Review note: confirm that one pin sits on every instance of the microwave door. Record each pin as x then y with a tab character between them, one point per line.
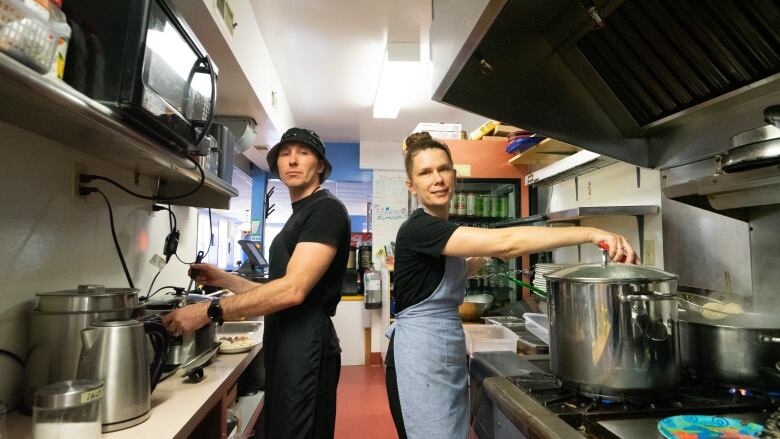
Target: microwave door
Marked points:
199	96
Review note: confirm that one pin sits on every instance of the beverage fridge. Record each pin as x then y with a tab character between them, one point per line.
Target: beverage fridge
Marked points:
487	203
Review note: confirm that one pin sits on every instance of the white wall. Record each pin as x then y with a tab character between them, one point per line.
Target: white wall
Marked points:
381	155
50	241
614	185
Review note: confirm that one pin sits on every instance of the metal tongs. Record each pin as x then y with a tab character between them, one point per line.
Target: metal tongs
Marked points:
193	275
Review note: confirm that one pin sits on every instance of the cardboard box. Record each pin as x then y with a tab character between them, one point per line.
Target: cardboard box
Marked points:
504	130
445	127
446	135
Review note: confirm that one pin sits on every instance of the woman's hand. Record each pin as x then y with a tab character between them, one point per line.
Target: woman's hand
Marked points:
620	250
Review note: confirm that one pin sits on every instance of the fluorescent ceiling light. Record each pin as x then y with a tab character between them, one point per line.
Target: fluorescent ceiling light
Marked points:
398	68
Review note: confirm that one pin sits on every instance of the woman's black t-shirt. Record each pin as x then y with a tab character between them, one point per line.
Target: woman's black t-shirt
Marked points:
419	264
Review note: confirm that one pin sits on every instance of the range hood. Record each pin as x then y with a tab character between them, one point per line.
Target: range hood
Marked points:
659	84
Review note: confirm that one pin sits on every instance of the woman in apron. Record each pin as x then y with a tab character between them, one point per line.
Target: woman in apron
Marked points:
426	360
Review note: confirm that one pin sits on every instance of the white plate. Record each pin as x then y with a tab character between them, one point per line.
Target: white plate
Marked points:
223	349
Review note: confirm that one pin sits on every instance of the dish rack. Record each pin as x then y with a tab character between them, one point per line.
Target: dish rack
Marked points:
26	36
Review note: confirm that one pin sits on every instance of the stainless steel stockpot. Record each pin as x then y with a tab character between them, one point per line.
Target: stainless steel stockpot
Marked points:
613	330
54	345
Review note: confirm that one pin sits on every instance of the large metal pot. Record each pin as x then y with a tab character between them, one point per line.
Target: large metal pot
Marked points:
738	350
613	330
55	326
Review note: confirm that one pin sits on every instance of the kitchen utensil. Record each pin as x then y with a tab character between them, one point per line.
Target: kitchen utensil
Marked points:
68	409
182	348
193	368
474	306
55	325
537	291
613	329
115	351
707	345
753	149
706	427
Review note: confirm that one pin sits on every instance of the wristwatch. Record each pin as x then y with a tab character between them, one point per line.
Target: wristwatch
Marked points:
215	312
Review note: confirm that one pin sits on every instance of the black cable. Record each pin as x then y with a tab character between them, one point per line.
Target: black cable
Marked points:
152	284
160	289
16	358
113	235
175	223
211	242
86	178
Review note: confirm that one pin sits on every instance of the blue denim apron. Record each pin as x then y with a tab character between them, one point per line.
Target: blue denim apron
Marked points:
430	360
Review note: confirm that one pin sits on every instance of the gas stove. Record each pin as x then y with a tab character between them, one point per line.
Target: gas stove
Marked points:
604	417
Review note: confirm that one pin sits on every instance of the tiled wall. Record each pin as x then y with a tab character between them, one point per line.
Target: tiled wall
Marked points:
50	241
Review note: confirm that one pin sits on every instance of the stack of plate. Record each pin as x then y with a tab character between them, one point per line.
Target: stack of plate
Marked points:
542	269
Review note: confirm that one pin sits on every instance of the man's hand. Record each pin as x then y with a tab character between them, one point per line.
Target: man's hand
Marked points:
208	274
187	319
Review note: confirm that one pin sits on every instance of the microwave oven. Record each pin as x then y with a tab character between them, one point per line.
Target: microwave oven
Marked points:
141	59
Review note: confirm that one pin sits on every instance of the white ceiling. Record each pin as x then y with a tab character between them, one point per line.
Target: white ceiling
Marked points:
328	54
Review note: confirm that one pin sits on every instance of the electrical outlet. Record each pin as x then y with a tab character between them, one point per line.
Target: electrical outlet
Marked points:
648	253
78	169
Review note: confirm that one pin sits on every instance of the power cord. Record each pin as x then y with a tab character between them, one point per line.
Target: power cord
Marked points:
172	240
10	354
211	243
86	190
179	290
87	178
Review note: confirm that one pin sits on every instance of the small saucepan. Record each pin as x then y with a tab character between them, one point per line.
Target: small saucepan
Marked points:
474	306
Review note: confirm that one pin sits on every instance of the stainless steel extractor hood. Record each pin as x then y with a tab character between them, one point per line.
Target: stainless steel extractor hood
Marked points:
662	83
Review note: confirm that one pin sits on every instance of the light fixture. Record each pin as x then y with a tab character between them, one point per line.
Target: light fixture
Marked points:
398	68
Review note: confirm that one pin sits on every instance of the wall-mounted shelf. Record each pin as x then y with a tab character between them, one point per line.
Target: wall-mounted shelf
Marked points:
544	153
580	213
54	110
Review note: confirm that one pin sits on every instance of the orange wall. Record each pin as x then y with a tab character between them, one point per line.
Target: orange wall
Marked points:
488	159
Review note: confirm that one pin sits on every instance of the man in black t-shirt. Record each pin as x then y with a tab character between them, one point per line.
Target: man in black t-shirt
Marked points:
308	259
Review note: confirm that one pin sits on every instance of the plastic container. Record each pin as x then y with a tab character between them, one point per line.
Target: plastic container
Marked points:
59	25
510	322
25	36
538	325
68	409
489	338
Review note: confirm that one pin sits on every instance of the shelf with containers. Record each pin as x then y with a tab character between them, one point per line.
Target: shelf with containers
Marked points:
483	202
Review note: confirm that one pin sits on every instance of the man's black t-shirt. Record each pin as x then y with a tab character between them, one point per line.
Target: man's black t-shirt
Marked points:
419	264
320	218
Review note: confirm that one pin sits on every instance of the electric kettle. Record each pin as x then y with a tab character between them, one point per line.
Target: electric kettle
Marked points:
115	351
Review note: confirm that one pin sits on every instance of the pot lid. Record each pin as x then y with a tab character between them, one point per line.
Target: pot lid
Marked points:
88	298
174	298
597	273
71	393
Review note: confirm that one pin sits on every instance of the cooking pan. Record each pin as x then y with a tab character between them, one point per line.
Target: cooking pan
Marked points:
739	350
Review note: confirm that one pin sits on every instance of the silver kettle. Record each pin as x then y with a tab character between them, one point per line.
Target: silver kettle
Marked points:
115	351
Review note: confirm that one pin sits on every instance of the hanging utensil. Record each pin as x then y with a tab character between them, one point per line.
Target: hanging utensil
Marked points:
533	289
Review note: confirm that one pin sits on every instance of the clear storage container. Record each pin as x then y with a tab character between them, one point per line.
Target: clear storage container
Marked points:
538	325
25	36
68	409
488	338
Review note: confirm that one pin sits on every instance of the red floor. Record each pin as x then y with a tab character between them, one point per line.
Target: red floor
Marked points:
362	410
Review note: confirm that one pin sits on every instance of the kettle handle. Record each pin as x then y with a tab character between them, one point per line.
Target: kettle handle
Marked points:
158	335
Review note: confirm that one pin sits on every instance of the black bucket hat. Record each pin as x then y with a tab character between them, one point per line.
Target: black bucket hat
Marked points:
302	136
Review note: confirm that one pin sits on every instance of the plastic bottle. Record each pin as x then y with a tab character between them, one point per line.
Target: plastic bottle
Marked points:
62	32
372	285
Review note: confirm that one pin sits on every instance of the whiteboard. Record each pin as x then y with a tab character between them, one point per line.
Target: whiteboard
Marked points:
388	208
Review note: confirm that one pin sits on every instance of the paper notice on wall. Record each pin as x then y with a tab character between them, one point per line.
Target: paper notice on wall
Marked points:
462	170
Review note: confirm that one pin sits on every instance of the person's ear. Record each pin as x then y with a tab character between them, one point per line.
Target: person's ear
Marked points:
410	187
